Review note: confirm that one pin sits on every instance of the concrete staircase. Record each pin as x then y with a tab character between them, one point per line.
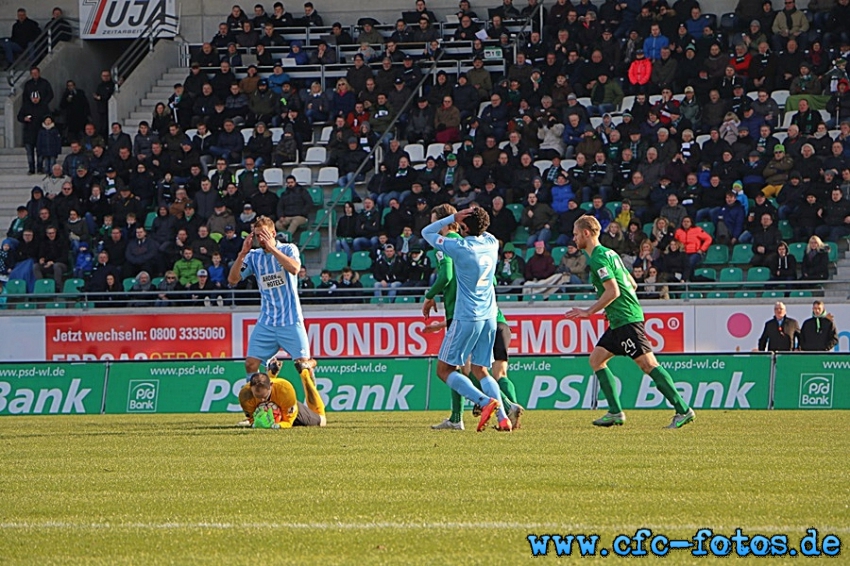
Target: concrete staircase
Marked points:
5	91
159	93
15	184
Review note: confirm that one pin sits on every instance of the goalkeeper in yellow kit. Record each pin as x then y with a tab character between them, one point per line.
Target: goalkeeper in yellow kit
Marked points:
270	402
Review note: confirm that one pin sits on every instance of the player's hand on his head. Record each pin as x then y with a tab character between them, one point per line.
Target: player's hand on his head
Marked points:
246	245
461	215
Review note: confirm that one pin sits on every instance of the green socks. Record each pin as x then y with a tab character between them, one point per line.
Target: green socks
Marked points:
664	384
606	382
457	407
506	386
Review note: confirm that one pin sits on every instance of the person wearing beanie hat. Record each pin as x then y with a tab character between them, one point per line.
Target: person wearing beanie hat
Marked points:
818	334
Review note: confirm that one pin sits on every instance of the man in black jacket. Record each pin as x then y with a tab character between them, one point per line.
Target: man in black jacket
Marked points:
294	207
780	333
368	227
389	271
765	242
24	32
818	333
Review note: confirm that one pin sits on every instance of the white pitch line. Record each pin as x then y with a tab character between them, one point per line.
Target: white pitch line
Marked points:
541	528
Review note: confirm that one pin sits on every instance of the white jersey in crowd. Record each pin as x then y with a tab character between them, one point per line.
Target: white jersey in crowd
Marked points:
279	303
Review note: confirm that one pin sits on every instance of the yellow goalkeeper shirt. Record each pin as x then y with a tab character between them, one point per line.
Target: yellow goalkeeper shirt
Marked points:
283	395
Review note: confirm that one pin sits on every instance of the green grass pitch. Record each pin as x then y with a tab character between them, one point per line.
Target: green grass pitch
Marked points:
382	488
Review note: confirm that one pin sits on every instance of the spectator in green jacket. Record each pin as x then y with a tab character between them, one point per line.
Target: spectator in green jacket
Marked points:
187	268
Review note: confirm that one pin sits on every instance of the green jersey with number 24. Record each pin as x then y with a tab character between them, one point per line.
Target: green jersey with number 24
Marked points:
606	264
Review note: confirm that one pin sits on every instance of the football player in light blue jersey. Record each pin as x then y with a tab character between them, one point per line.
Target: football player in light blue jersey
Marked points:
473	329
281	324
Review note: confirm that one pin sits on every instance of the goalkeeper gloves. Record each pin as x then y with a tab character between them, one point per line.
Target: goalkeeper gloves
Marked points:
264	418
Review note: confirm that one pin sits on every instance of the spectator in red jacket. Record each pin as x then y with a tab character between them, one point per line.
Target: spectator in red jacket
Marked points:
695	240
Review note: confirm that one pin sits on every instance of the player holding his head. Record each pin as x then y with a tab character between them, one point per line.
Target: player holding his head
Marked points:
281	324
473	329
270	402
446	284
625	336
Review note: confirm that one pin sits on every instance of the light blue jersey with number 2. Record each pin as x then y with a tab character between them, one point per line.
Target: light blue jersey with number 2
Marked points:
279	304
475	259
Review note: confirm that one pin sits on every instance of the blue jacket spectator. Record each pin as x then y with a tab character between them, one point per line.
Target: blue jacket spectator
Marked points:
561	195
653	44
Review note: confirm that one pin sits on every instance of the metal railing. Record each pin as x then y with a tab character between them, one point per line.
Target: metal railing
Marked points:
55	31
133	55
226	298
371	157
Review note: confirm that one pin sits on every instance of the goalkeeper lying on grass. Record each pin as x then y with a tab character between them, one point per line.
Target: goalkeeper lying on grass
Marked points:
269	402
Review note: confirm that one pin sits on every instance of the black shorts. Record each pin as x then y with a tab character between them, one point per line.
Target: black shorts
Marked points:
502	343
306	416
628	340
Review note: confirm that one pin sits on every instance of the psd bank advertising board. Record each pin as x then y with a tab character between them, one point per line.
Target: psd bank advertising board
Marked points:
140	335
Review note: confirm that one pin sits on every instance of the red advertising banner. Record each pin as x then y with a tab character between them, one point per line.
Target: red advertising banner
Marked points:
549	333
138	337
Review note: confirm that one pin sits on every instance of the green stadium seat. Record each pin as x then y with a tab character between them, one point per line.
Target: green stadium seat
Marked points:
647	229
149	220
156	281
535	298
361	261
731	275
379	300
708	227
613	206
773	295
216	237
758	274
833	252
800	294
44	287
310	240
128	283
384	213
521	236
73	287
586	206
585	297
316	279
406	299
56	305
432	257
368	280
318	196
507	298
25	306
717	295
559	297
785	230
716	255
746	295
706	272
325	216
692	295
517	210
798	250
336	261
742	254
339	196
16	287
527	254
558	253
84	305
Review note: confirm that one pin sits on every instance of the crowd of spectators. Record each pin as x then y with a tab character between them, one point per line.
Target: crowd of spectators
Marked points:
663	194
